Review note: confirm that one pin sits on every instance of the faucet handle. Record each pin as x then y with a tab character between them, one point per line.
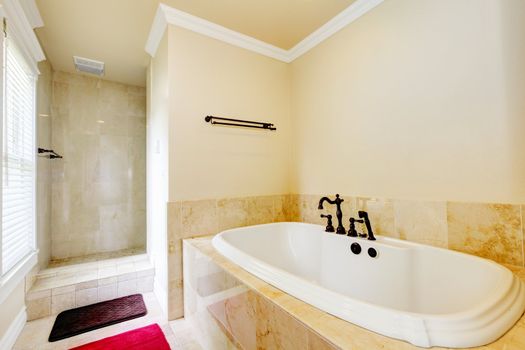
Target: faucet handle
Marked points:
329	226
352	232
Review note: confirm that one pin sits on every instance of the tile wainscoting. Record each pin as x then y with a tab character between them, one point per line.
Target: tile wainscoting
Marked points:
488	230
492	231
188	219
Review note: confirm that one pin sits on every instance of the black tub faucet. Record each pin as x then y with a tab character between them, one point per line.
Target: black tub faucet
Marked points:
364	215
339	214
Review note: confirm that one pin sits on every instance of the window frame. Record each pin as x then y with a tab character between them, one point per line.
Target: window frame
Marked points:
16	275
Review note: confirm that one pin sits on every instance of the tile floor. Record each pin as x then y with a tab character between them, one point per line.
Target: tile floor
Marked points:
97	257
60	288
178	333
53	277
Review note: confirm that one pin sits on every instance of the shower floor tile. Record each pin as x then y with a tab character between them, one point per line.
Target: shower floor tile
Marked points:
126	253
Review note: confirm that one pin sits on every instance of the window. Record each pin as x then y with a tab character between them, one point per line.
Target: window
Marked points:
18	162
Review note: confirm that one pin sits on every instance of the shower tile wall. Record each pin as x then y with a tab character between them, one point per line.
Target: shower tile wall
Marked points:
43	188
98	188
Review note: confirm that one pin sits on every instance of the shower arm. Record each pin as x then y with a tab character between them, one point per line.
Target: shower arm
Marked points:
49	153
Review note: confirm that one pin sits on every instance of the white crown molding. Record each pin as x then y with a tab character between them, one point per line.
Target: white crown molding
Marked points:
347	16
15	328
201	26
157	31
167	15
32	13
21	28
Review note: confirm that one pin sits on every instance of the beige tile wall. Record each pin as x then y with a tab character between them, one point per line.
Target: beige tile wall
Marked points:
492	231
43	178
188	219
98	189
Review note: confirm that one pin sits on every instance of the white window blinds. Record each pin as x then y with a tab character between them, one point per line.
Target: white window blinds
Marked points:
18	165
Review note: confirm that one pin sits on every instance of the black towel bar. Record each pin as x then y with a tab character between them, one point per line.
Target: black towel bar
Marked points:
239	122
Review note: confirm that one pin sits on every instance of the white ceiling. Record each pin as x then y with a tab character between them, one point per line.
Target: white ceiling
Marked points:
115	31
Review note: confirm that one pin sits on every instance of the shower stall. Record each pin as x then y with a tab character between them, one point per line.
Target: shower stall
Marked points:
98	190
91	193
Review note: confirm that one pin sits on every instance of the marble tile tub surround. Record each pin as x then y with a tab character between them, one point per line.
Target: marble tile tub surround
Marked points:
492	231
225	313
98	188
206	217
230	307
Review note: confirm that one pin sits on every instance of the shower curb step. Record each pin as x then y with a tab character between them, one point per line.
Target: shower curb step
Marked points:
66	287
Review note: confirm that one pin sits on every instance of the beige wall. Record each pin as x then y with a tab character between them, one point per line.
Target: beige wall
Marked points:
512	17
98	189
211	77
192	76
44	120
11	307
417	100
157	168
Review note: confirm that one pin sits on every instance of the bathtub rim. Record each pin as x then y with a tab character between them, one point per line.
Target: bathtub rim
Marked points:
219	241
415	331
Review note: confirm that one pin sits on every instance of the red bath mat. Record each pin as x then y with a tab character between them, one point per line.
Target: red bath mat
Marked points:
87	318
145	338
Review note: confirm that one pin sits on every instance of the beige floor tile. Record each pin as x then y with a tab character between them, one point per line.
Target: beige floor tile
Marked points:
38	308
35	333
183	336
62	302
86	296
107	292
107	271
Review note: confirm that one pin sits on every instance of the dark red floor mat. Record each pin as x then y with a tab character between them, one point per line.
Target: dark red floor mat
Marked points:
87	318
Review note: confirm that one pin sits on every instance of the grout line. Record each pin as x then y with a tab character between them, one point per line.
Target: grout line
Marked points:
521	227
446	223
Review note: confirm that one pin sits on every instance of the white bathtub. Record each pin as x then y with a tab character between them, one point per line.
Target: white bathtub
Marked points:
424	295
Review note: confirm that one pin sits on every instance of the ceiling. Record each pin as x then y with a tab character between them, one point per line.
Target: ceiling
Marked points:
115	31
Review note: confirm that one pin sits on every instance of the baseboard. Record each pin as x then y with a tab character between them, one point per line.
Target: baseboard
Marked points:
15	328
161	294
